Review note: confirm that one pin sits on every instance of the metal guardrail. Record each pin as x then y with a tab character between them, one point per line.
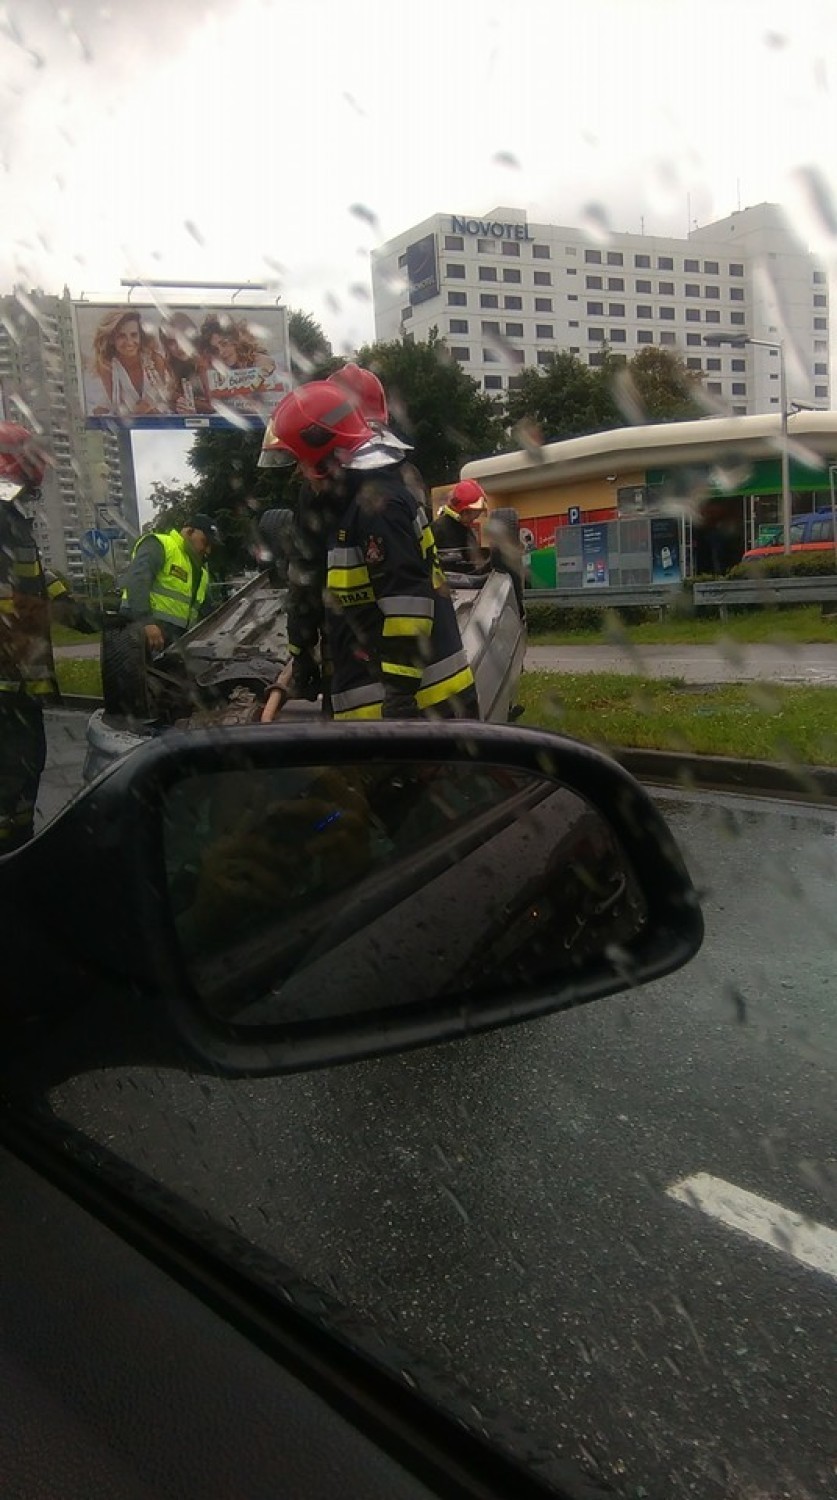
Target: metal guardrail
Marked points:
652	596
729	591
719	594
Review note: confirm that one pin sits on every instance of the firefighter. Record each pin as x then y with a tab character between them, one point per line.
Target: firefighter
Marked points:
393	639
29	598
165	588
304	545
454	529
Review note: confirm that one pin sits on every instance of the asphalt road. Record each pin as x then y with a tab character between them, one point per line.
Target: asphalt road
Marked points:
502	1208
723	662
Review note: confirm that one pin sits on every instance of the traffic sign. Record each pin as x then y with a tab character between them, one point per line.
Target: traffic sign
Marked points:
574	515
94	543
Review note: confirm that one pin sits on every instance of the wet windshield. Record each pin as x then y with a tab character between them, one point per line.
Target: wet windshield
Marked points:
588	252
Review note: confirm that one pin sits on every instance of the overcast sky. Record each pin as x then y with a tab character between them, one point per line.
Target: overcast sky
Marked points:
217	141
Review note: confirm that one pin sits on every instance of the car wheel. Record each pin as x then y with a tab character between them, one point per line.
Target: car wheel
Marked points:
124	670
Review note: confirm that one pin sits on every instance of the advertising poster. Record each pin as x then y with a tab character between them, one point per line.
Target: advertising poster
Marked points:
544	528
183	367
595	572
422	270
665	549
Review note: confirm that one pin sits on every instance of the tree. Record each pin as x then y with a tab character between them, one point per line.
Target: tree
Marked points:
311	351
565	398
664	386
172	505
435	405
233	490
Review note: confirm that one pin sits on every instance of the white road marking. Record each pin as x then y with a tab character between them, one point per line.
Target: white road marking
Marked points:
812	1244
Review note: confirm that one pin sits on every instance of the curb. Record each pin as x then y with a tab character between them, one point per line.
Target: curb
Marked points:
678	769
759	778
78	703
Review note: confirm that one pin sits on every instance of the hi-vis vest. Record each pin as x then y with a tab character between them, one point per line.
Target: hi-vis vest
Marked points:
26	660
171	600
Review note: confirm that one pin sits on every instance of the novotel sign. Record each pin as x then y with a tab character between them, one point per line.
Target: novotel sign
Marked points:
491	229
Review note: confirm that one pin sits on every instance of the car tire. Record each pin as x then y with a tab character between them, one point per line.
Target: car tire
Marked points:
124	670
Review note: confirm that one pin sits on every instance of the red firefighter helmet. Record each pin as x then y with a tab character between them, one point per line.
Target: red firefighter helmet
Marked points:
22	459
365	390
466	495
312	424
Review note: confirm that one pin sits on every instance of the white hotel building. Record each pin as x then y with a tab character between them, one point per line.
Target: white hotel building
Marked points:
505	293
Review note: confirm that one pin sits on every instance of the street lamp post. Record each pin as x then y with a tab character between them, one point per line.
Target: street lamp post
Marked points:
738	341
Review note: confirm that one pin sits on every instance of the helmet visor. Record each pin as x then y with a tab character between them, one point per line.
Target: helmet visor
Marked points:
275	458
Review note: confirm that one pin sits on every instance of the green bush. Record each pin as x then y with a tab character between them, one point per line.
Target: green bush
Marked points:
798	565
543	618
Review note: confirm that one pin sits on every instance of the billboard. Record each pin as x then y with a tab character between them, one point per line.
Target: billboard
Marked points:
181	367
422	270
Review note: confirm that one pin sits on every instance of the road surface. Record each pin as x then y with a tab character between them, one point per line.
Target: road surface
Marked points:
728	662
718	663
88	650
615	1229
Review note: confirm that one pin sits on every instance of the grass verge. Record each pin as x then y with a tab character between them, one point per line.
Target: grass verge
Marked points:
79	675
757	721
62	635
804	625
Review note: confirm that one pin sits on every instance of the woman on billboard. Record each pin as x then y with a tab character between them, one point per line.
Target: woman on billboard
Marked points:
130	367
230	344
185	369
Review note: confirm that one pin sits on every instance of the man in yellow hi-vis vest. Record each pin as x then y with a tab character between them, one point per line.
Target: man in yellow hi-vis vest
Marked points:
30	597
165	587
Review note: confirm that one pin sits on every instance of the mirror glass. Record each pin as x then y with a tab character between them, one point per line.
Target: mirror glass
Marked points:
300	894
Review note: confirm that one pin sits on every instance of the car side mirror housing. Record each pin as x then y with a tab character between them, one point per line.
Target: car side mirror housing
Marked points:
297	896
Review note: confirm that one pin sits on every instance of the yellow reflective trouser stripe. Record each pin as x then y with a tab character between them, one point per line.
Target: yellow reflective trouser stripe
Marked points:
397	669
294	650
369	711
31	686
426	697
8	607
347	578
27	569
406	625
55	589
440	671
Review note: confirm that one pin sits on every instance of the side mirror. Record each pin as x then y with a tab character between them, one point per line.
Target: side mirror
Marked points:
306	895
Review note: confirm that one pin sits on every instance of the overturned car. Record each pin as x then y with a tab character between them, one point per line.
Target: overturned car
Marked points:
220	671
